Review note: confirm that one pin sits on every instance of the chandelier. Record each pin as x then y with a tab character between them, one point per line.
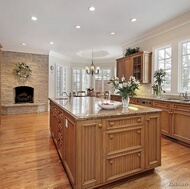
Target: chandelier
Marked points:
93	69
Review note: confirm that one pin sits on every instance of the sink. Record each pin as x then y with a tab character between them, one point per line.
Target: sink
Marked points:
186	100
173	99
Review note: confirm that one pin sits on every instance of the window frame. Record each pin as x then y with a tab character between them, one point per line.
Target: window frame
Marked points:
156	66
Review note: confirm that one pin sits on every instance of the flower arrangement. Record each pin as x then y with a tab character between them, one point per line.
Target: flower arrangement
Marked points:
125	88
159	79
23	70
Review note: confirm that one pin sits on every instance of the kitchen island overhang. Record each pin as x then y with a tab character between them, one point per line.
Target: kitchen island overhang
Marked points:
98	146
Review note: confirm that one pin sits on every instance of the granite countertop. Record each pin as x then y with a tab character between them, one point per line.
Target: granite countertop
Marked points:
164	98
87	108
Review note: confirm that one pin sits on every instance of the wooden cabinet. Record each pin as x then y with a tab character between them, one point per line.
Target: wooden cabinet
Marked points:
152	141
142	66
137	65
181	122
95	152
116	98
0	81
165	116
123	141
124	67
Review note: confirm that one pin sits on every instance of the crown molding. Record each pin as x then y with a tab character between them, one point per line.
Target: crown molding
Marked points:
58	55
164	28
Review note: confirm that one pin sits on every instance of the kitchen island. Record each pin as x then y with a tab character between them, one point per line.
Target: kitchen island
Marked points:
98	147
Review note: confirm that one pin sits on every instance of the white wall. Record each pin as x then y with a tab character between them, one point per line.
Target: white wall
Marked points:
169	33
55	58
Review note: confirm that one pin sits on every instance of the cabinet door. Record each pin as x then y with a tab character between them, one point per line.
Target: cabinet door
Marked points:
128	67
90	152
69	146
152	141
180	122
120	68
142	66
165	116
54	122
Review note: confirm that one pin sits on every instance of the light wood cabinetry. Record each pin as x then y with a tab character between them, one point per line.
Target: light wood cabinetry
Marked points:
100	151
165	116
181	122
124	67
137	65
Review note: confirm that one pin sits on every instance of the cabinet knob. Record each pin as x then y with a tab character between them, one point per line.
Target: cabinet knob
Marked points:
111	162
138	120
139	131
100	125
139	154
156	103
175	106
111	137
111	123
166	105
148	119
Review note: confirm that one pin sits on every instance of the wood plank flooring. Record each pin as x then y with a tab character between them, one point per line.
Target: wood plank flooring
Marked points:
28	159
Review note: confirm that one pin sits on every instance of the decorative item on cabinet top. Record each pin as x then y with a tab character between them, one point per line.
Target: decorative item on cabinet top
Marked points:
130	51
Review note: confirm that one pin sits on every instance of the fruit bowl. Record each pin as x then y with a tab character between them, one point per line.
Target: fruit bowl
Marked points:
109	105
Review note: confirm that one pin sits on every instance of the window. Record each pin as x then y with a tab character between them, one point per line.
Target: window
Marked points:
80	79
102	79
61	82
184	66
163	60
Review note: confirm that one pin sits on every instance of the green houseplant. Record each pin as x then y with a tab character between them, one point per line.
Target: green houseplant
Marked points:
130	51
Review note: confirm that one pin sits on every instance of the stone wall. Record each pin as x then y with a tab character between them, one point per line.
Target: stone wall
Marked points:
38	80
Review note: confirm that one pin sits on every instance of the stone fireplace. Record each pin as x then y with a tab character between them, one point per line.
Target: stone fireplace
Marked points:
24	94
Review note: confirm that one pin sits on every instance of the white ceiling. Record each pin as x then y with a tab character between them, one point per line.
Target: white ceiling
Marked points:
57	20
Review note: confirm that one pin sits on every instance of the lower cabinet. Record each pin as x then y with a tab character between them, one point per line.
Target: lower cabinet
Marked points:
165	116
181	122
101	151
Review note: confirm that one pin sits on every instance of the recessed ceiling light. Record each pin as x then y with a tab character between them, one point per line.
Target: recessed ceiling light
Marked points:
91	8
51	42
23	44
133	19
112	33
33	18
78	27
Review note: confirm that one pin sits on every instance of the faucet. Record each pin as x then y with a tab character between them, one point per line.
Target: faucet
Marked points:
184	95
65	94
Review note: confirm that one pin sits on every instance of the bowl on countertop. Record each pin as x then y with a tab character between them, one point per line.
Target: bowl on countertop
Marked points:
109	105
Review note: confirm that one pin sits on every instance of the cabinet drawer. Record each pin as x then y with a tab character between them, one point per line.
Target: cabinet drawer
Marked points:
182	107
122	140
116	98
161	104
123	165
116	123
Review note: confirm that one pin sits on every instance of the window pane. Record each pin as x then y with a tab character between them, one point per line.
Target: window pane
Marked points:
163	61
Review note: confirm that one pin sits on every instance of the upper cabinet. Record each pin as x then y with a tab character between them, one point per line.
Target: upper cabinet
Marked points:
137	65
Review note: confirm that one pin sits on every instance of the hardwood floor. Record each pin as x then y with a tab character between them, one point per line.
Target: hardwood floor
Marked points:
28	159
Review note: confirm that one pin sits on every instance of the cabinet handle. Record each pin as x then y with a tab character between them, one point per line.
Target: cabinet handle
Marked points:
171	113
111	123
156	103
138	120
111	137
148	119
111	162
166	105
100	125
175	106
139	131
139	154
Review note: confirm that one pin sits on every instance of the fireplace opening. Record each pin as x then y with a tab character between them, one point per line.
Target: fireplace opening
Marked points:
24	94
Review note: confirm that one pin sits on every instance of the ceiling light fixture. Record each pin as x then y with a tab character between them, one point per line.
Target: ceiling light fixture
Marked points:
93	69
91	8
112	33
23	44
33	18
133	19
78	27
51	42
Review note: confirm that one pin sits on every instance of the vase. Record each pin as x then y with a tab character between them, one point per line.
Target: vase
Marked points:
125	102
159	91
